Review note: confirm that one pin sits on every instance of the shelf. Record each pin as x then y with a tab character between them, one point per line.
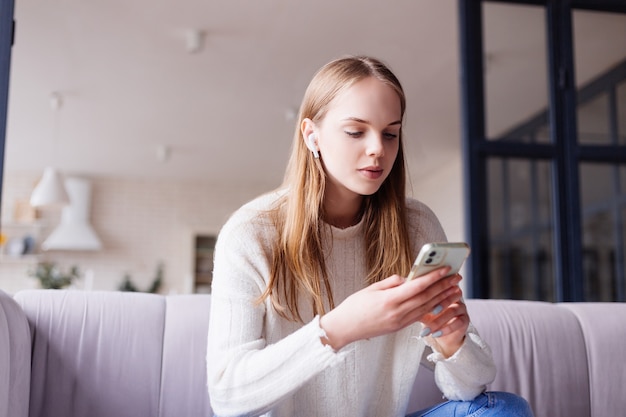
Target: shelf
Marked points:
22	225
204	247
21	240
204	278
204	252
22	259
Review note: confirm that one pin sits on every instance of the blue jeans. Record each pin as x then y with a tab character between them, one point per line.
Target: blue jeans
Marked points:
489	404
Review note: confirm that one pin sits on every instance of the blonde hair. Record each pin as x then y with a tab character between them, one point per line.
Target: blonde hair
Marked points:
298	265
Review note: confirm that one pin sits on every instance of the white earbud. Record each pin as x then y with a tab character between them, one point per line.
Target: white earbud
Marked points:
310	143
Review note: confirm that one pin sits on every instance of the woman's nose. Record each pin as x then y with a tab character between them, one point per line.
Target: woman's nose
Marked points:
375	145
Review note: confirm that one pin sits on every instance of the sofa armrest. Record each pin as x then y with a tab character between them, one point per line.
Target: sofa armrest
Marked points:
15	345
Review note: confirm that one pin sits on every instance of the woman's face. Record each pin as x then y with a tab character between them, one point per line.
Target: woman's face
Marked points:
358	138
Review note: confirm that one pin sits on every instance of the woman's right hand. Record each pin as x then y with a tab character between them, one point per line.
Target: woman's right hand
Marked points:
388	306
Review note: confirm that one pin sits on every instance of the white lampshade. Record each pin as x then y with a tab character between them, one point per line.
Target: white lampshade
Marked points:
50	190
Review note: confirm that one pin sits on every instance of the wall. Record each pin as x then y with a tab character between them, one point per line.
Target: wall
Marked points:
142	223
442	191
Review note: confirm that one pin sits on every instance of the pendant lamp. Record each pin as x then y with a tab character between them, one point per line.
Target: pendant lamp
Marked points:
50	191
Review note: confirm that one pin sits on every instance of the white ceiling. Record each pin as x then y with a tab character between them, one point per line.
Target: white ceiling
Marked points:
129	85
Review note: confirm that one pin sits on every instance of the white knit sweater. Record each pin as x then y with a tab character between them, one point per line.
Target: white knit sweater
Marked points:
261	364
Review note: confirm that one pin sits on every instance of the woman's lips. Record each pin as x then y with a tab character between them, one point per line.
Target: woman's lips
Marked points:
371	172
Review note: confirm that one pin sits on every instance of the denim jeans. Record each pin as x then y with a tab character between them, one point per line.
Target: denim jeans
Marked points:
489	404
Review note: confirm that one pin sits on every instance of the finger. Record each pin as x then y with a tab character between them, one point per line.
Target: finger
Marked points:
422	310
451	297
441	294
456	324
430	278
425	288
450	320
390	282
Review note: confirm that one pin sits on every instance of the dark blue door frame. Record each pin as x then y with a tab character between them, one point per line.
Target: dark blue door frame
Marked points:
7	31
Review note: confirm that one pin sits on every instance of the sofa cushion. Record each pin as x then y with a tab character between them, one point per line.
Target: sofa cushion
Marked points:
539	350
94	354
14	359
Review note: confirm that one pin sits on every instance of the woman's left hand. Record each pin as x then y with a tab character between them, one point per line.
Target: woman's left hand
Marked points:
448	327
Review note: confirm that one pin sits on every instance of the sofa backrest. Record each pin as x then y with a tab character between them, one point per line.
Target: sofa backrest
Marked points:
603	327
106	354
103	354
540	353
566	359
184	390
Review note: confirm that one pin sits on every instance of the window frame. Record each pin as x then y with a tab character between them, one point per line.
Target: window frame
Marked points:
564	151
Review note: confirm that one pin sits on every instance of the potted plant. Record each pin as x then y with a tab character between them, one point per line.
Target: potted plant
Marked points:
50	276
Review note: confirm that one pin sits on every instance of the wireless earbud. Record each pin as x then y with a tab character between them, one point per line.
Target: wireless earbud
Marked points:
310	143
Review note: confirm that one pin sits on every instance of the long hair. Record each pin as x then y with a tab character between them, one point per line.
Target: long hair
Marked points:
298	266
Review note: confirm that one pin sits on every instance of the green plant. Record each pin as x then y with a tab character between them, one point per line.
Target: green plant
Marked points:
50	276
127	284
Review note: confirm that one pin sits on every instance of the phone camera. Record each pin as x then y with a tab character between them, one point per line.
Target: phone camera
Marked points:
430	259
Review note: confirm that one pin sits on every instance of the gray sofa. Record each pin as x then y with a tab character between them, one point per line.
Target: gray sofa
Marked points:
112	354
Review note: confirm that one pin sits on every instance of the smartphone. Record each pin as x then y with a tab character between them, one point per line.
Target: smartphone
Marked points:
436	255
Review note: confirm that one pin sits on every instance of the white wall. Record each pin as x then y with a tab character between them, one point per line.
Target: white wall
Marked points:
144	222
442	191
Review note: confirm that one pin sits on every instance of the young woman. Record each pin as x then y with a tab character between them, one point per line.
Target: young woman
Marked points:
310	311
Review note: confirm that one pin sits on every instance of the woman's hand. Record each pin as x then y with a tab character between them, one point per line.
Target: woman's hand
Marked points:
392	304
447	326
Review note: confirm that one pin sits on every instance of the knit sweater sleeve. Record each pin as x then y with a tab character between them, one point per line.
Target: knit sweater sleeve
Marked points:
246	375
465	374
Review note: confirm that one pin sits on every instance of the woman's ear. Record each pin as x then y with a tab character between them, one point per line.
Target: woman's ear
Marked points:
307	127
309	136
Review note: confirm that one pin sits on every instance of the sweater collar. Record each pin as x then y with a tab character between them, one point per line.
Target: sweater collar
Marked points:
347	233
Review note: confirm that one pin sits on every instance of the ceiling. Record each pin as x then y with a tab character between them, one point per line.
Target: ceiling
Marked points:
130	86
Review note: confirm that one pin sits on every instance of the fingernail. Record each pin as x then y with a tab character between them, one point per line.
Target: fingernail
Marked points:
425	332
437	334
438	309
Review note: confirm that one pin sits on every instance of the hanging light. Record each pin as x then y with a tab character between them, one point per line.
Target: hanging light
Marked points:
50	191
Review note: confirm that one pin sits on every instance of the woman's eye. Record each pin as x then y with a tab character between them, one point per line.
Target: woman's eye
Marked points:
388	135
354	134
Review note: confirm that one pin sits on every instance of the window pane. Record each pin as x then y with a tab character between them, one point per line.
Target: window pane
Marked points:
598	43
597	56
520	229
593	121
603	239
516	98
